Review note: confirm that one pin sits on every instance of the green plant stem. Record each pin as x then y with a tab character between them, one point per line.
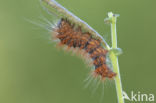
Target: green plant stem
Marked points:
60	11
114	58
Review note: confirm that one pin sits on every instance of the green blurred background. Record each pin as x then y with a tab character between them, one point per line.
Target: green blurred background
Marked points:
32	70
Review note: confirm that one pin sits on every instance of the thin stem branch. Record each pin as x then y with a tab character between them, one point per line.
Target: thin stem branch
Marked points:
114	58
60	11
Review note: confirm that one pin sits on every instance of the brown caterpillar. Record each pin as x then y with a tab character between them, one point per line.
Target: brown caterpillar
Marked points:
73	37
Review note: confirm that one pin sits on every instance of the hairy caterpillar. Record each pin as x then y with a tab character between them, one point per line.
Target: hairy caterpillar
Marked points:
78	35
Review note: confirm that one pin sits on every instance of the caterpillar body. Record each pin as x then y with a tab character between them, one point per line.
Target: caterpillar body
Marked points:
76	34
74	38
